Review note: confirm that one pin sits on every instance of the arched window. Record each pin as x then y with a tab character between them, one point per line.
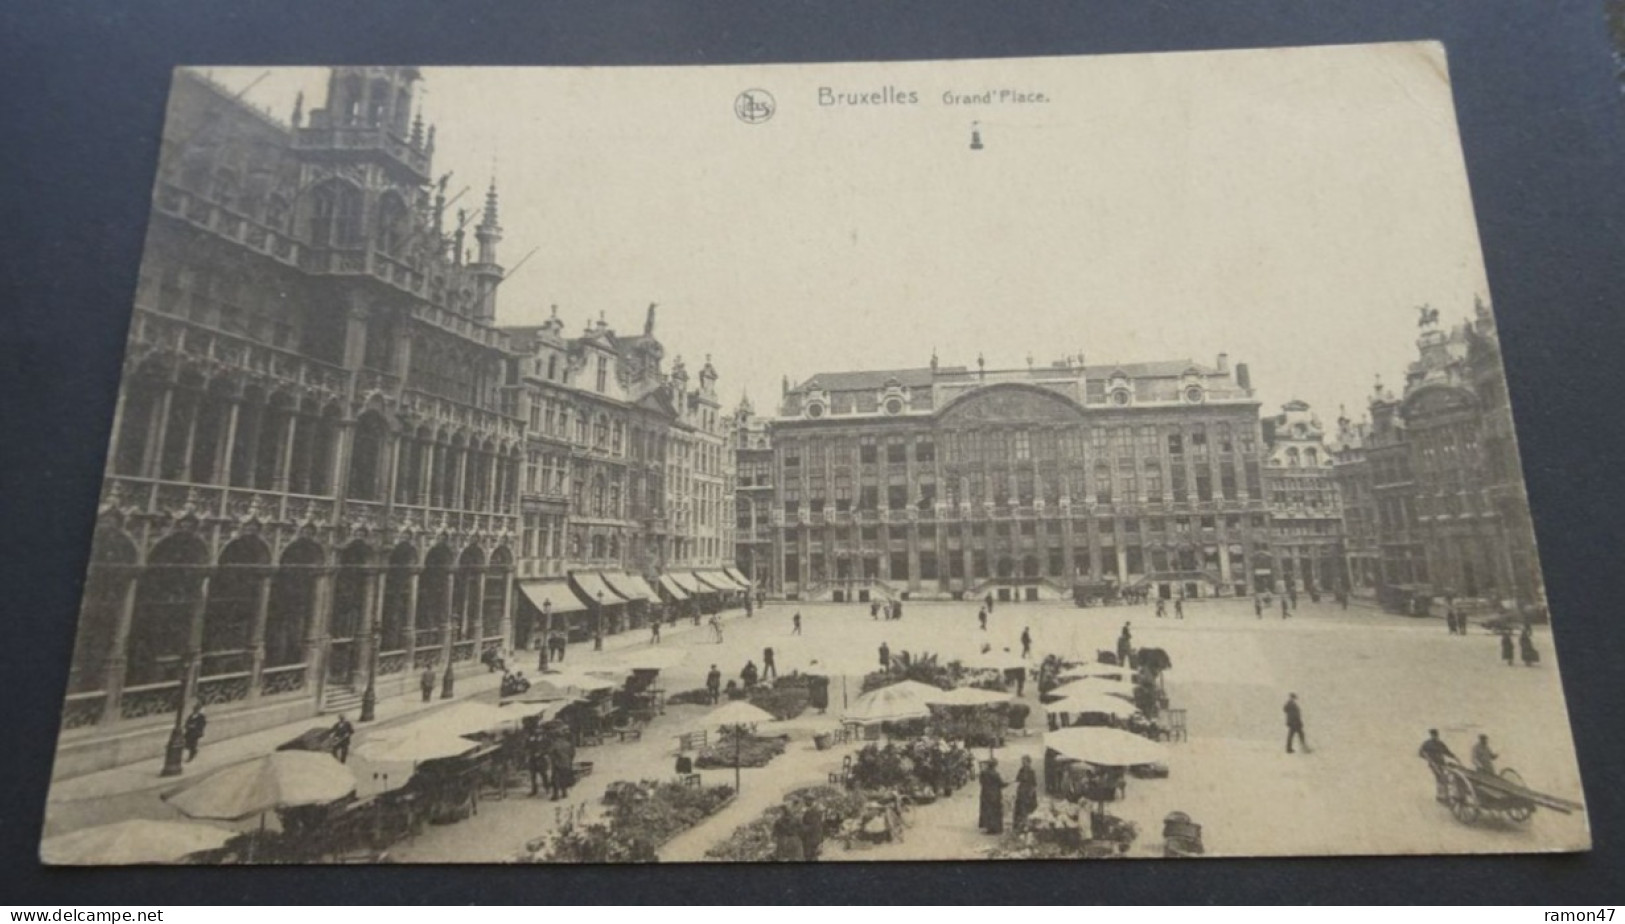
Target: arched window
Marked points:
394	224
367	458
335	219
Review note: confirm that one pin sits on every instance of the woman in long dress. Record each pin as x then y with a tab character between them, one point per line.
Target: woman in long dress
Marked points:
991	819
1026	794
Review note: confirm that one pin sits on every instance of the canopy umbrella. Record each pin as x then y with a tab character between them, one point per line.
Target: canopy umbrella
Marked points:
579	680
1105	747
737	712
967	696
908	699
464	718
1093	670
653	658
281	779
1087	703
414	743
137	840
1094	685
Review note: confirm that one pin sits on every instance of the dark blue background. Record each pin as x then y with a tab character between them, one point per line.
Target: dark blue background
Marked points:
83	95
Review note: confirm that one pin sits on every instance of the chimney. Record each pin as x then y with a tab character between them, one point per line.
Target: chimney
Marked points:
1223	362
1244	380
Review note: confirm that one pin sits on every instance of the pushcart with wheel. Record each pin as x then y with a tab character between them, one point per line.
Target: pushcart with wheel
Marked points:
1474	795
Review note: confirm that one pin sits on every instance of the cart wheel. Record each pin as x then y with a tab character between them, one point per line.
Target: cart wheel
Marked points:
1517	809
1463	800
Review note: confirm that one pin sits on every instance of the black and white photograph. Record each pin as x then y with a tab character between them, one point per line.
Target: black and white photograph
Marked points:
1096	457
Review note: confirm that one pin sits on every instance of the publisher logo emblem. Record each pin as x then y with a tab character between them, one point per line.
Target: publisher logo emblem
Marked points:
753	107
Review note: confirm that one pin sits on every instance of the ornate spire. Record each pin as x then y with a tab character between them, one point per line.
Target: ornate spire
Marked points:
490	218
298	109
417	129
649	321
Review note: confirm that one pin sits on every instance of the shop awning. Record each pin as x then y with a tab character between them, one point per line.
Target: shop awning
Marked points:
672	590
555	591
685	580
736	577
717	580
630	586
591	586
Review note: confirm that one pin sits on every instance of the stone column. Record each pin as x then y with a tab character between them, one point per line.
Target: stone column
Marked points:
447	681
228	447
262	614
158	431
117	653
507	610
368	642
411	619
279	481
316	637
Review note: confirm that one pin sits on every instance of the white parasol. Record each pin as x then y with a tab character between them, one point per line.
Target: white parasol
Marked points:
464	718
1090	703
997	661
137	840
582	681
414	743
737	712
1105	747
967	696
1093	685
281	779
906	700
1093	670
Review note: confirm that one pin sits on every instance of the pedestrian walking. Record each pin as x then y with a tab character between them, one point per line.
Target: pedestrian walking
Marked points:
1506	648
339	737
981	618
1526	647
1294	723
987	601
990	816
1026	643
1162	608
654	632
1450	619
1125	644
716	629
1284	613
897	609
538	765
1026	794
874	609
795	623
426	683
885	656
749	674
1179	608
192	732
768	667
713	684
1483	757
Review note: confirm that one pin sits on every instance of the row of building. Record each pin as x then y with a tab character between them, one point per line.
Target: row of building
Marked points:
331	469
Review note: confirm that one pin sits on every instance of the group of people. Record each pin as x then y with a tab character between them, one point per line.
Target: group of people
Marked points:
889	609
990	814
1525	648
513	683
798	832
1261	602
1179	607
550	757
1438	755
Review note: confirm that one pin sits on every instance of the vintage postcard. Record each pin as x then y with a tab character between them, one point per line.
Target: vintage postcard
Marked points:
1068	458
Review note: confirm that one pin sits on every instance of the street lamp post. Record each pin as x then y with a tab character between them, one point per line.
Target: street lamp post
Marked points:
547	633
369	696
598	624
175	748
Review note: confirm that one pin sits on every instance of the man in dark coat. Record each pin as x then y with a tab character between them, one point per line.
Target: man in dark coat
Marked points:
536	761
1506	648
1436	752
426	683
990	818
812	831
885	656
987	601
340	735
1026	794
562	767
749	676
981	617
769	669
1294	723
1284	613
192	731
795	623
1125	644
713	683
1526	647
1026	642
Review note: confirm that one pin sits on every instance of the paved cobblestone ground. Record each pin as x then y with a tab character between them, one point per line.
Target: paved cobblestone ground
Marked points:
1370	685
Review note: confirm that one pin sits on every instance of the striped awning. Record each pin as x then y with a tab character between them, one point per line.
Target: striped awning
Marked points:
554	592
590	585
686	580
630	586
717	580
672	589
